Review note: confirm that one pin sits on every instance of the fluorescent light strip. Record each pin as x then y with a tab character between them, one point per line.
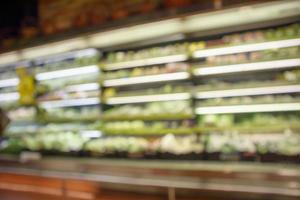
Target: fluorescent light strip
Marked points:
268	65
147	61
248	91
248	108
247	48
71	102
9	82
82	87
146	79
9	96
148	98
67	72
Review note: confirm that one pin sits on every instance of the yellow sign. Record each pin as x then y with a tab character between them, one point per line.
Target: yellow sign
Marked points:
26	87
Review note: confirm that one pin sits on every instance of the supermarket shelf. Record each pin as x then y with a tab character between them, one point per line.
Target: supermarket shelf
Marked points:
148	118
149	132
66	55
70	102
67	72
148	98
145	62
13	96
253	129
247	48
9	82
246	67
248	91
69	120
276	107
82	87
147	79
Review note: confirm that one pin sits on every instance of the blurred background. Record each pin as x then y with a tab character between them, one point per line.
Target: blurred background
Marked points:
152	99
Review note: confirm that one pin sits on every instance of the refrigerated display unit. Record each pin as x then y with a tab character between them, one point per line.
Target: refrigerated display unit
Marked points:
205	110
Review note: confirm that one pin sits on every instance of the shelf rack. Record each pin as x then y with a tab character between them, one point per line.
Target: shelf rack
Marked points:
145	62
70	102
246	48
190	76
248	67
9	82
252	91
148	98
77	71
147	79
275	107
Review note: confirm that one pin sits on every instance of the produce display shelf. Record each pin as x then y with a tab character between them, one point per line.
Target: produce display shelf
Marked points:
246	48
82	87
148	98
67	72
70	120
281	89
145	62
40	60
276	107
148	118
146	79
149	131
9	82
248	67
70	102
254	129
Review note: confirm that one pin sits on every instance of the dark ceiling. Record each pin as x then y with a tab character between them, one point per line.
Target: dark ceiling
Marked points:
14	13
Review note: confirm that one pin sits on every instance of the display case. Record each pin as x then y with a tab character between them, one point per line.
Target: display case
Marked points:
232	93
228	96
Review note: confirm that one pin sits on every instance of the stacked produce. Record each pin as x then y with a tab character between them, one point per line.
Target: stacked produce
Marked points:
266	55
251	121
66	127
21	129
31	128
138	127
63	95
22	114
59	84
282	78
114	92
164	147
60	64
144	71
278	147
168	146
280	33
153	52
290	31
153	110
66	142
117	145
69	114
228	146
